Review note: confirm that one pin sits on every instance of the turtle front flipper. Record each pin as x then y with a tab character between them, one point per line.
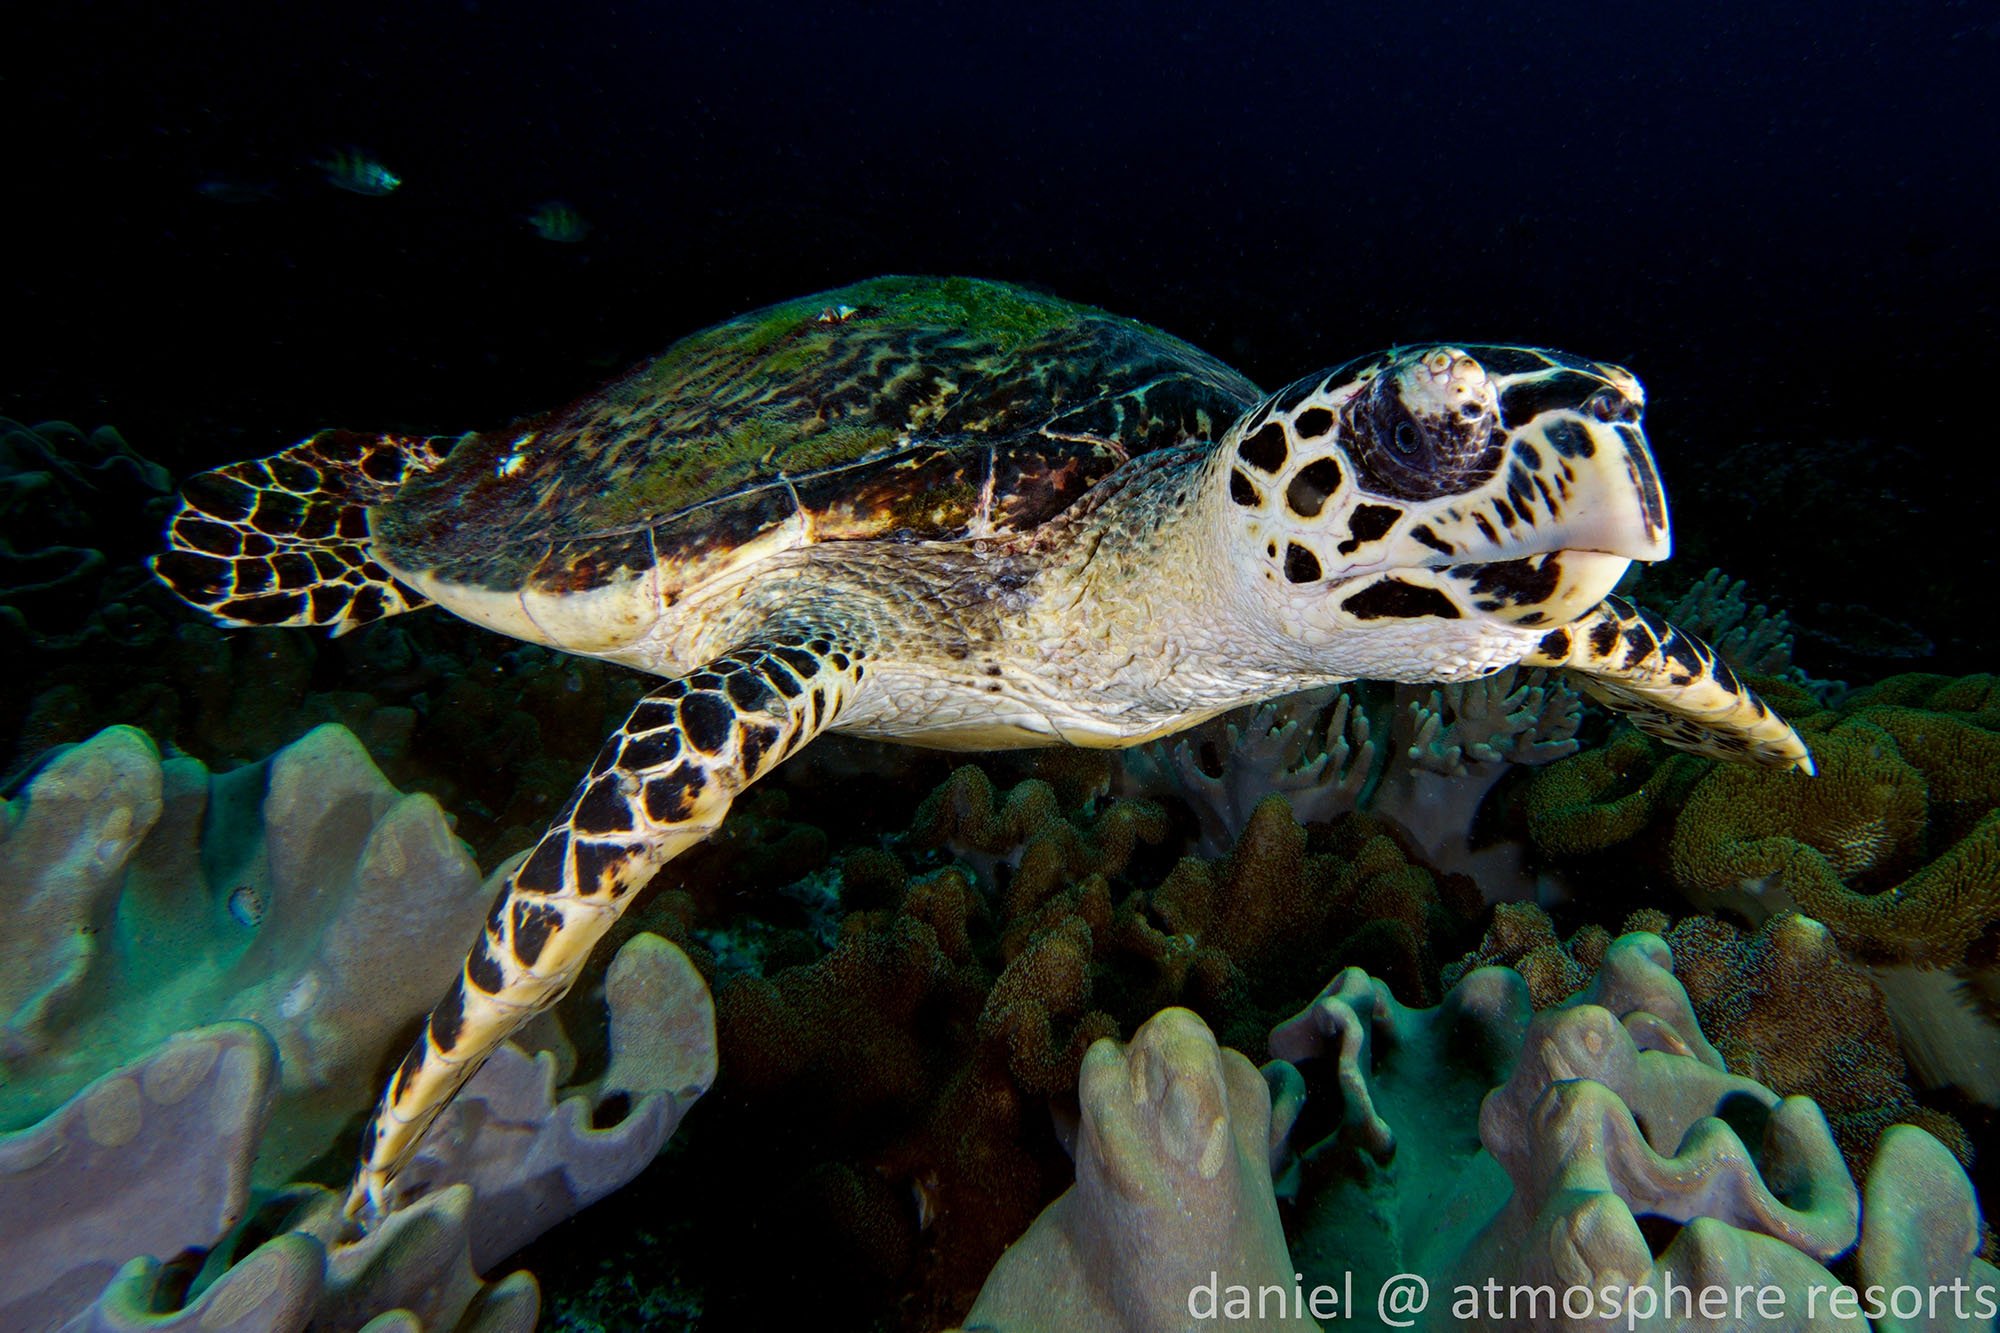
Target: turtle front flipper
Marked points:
1671	684
661	784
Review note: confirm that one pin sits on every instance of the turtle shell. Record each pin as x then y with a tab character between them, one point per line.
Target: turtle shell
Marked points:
934	409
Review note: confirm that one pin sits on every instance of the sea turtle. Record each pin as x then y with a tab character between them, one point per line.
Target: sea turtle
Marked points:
961	514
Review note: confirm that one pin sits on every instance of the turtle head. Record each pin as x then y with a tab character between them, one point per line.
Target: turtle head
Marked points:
1440	501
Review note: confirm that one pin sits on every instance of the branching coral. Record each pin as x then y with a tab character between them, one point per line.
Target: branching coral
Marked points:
933	1036
1313	748
1424	758
1752	638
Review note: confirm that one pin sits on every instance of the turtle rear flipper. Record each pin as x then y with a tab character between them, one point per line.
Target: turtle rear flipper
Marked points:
1671	684
284	540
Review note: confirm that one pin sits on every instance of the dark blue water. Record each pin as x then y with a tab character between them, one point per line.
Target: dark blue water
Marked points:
1781	216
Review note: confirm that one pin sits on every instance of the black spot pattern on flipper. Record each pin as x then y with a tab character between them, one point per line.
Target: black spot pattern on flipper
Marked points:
1681	650
799	660
533	924
643	753
781	678
1555	644
268	610
207	536
328	601
749	692
753	744
413	1060
448	1019
706	721
542	872
483	970
1603	638
220	497
650	715
254	576
670	799
595	860
603	809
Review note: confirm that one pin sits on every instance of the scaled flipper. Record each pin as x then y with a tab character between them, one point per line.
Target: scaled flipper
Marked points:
1671	685
661	784
285	540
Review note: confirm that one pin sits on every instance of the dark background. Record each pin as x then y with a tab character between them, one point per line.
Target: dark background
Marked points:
1782	216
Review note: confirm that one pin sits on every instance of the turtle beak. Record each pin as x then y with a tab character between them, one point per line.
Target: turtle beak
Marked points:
1576	500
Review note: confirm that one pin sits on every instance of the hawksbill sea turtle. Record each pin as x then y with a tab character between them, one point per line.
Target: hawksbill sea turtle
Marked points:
962	514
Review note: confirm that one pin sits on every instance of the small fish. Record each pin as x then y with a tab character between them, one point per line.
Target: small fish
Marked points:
222	191
558	222
357	173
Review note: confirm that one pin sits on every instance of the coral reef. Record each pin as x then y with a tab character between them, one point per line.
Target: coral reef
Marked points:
1173	1182
1780	1004
149	1167
1894	846
296	905
79	513
1617	1171
1424	758
983	952
304	894
1751	637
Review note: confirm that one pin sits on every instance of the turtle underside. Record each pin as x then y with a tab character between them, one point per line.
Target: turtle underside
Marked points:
896	409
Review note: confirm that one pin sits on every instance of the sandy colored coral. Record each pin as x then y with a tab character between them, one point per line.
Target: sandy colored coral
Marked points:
1780	1004
1173	1184
1028	832
305	894
1274	909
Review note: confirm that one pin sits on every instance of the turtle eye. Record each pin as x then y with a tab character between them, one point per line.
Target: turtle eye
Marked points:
1406	438
1409	456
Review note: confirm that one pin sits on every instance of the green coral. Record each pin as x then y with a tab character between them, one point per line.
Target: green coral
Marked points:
1856	846
1606	795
